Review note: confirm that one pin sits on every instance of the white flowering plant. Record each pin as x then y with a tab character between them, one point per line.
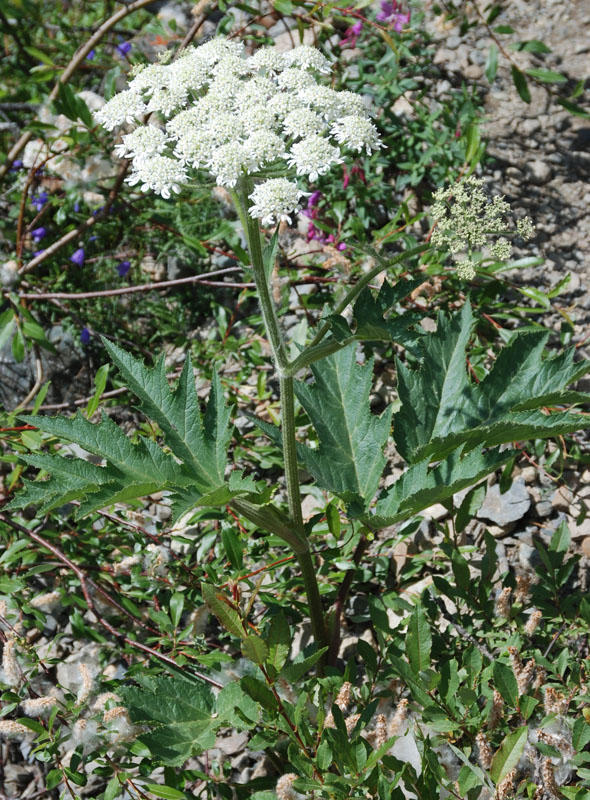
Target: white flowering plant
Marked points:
265	127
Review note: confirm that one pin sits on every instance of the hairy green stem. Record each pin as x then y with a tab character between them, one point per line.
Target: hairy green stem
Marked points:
299	541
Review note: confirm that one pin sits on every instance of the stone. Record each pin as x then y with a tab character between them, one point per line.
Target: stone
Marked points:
539	172
578	531
473	72
585	545
503	509
435	512
529	126
528	557
543	509
562	499
514	173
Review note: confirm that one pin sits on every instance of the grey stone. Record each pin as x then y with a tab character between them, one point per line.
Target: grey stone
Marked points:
528	557
539	171
511	506
529	126
543	509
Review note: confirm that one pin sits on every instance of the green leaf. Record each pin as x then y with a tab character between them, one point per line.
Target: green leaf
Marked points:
418	640
521	85
200	442
546	75
420	487
442	409
508	756
100	381
349	459
292	672
232	547
236	708
279	642
505	683
492	63
560	541
574	108
255	649
176	607
531	46
178	713
370	312
580	734
113	788
259	692
167	792
219	605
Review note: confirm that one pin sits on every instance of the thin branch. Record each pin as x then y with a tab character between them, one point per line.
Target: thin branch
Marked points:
78	58
144	287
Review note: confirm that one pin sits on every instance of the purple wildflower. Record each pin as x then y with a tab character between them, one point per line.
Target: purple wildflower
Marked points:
38	252
85	335
123	48
123	268
78	257
76	207
351	34
39	200
91	55
391	13
38	234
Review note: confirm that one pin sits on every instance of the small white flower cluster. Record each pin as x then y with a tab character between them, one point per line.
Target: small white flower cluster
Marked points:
235	116
466	218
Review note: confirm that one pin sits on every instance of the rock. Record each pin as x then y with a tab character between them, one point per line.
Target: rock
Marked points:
516	175
473	72
539	172
289	39
578	531
529	126
585	545
562	499
543	508
508	507
435	512
528	557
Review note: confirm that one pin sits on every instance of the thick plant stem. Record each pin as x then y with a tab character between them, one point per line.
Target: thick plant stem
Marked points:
281	361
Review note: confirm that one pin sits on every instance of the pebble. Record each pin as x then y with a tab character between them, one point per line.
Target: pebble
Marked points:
562	499
539	172
585	545
508	507
543	509
529	126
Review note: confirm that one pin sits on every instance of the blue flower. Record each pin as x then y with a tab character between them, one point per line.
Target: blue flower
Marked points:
91	55
39	200
123	268
85	335
38	234
78	257
123	48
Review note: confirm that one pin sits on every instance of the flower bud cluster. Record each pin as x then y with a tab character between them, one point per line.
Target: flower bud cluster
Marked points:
234	116
466	220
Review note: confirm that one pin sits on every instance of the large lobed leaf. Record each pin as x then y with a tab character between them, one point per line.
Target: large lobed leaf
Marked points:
199	443
420	486
349	459
178	713
442	409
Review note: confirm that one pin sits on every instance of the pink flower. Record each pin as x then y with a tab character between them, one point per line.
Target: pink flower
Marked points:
391	14
351	34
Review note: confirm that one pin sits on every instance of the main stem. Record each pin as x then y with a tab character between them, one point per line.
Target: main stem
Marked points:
287	397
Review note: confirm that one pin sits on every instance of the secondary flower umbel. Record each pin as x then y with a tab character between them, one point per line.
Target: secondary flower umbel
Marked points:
266	116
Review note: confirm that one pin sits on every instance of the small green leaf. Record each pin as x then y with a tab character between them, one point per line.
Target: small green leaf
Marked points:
505	683
225	613
232	546
53	778
292	672
508	756
176	607
531	46
167	792
580	734
255	649
279	641
324	756
574	108
100	381
492	63
259	692
113	788
418	640
560	541
546	75
521	85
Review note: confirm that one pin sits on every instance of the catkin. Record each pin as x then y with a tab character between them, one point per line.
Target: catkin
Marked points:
484	751
86	685
549	783
503	603
12	673
343	696
38	706
505	788
533	622
46	602
14	730
401	712
497	709
285	789
522	591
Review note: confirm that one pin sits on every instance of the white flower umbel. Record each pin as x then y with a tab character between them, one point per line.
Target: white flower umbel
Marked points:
357	133
275	200
160	174
313	156
242	119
